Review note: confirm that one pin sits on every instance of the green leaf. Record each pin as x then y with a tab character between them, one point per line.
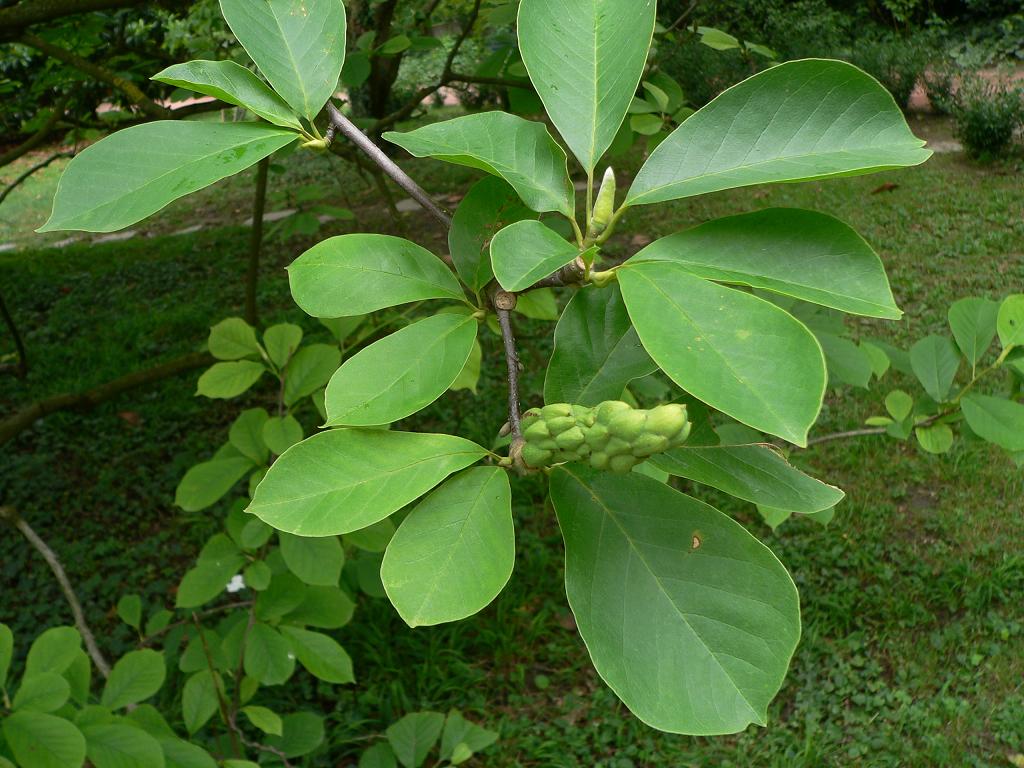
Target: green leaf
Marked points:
1010	322
320	655
282	341
136	676
121	179
690	619
42	692
234	84
343	480
378	756
373	538
79	677
527	251
402	373
299	49
937	438
935	361
899	404
129	609
469	377
233	339
458	730
122	746
753	473
53	651
880	362
246	435
847	363
181	754
396	44
356	274
265	719
414	736
268	656
804	254
226	380
205	484
538	305
281	433
646	124
597	350
490	205
520	151
257	575
802	120
6	651
39	740
737	353
310	369
995	419
973	322
207	580
323	607
454	553
585	58
199	699
303	732
314	561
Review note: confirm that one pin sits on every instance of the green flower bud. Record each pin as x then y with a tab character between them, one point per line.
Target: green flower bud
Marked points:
604	206
606	410
560	424
618	447
649	444
536	430
599	461
549	412
584	416
571	439
535	457
628	425
667	420
622	463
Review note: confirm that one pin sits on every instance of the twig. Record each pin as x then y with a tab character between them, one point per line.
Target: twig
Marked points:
504	303
19	345
570	274
11	515
252	277
34	169
844	435
683	17
30	414
221	701
349	130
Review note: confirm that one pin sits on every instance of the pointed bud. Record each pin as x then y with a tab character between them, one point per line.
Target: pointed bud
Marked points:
604	207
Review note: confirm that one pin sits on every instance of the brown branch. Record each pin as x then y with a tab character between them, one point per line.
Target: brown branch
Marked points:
504	302
256	241
11	516
95	71
34	169
349	130
844	435
571	274
28	12
38	137
27	416
22	367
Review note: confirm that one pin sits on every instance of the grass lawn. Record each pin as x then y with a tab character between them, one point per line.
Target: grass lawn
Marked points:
913	643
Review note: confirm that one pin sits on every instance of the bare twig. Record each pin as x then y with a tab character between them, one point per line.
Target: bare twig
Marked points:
25	14
844	435
504	303
256	241
349	130
11	516
19	345
30	414
34	169
683	17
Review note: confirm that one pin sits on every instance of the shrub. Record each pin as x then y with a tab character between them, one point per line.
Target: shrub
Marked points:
987	116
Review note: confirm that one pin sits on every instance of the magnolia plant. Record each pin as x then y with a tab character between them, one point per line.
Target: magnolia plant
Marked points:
689	618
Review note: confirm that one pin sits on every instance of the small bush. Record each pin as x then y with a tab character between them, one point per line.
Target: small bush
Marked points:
987	116
896	62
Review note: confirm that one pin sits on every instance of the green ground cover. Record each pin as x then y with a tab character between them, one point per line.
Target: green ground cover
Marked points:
913	645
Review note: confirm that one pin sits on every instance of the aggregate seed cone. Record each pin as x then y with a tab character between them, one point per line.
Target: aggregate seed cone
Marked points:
611	436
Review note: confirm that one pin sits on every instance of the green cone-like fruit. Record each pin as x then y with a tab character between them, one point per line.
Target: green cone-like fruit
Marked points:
611	436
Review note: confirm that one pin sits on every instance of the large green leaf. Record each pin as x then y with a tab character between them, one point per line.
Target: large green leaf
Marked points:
136	676
414	736
122	746
736	352
520	151
801	120
402	373
528	251
804	254
206	483
585	58
299	47
316	561
935	361
690	619
996	419
268	656
43	741
356	274
454	553
973	322
490	205
597	350
199	699
310	369
53	651
42	692
847	363
1010	322
753	473
346	479
234	84
134	173
222	381
320	655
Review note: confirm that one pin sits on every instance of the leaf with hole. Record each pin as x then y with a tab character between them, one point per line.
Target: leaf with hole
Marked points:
1010	321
